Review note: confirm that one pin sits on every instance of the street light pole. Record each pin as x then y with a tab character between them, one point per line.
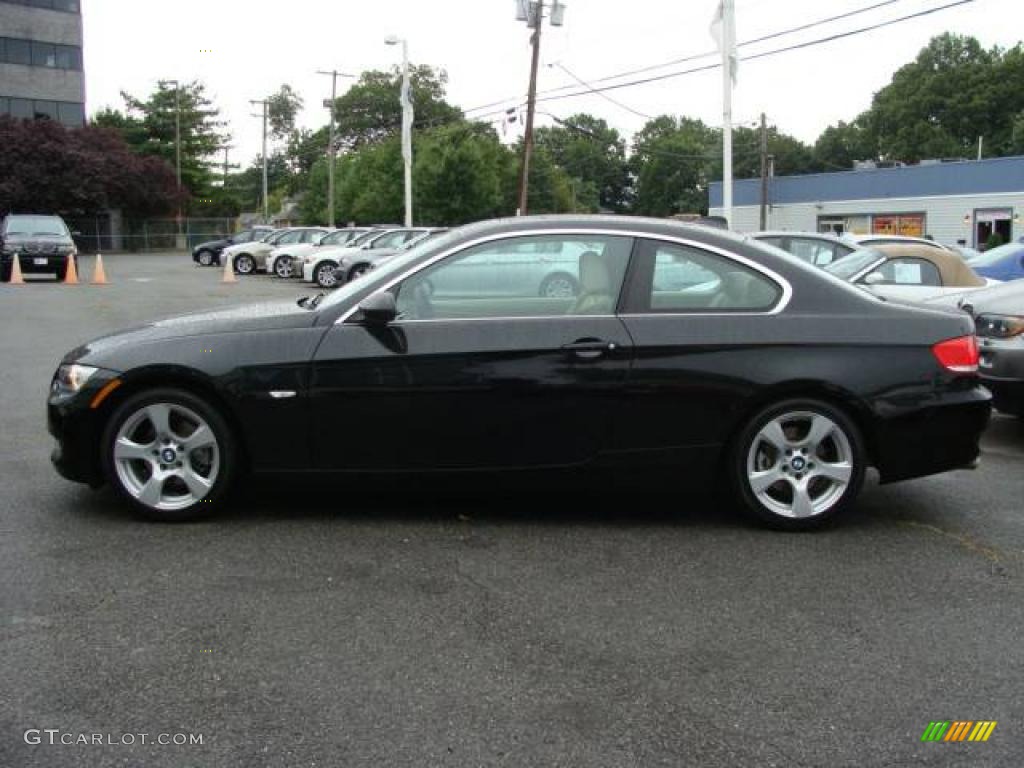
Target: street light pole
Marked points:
331	150
407	118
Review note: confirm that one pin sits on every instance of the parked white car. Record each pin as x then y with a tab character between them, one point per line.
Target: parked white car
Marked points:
318	267
912	272
871	241
282	261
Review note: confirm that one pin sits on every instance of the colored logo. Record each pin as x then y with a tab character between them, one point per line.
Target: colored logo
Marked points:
958	730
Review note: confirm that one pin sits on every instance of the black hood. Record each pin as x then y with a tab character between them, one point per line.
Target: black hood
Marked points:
250	317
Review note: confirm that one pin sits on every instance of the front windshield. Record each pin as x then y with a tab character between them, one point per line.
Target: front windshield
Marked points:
848	266
273	237
387	270
995	255
35	226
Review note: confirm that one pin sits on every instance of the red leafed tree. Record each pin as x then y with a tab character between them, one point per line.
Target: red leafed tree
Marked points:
48	168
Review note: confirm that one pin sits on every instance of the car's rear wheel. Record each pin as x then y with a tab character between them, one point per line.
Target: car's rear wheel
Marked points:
323	275
798	464
205	258
170	454
245	264
283	266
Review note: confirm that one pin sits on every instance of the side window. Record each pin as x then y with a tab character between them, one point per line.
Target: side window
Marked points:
910	272
290	237
812	251
677	278
311	235
533	276
776	241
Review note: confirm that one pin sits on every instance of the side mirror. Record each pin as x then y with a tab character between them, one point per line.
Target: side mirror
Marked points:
379	308
875	278
230	240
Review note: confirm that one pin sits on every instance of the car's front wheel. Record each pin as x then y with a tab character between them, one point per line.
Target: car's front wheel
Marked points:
283	266
205	258
323	275
170	454
798	463
245	264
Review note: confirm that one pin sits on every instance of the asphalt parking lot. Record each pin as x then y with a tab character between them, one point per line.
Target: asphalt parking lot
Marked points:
572	621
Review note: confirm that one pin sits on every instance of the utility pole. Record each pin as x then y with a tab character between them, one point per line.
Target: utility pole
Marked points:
723	29
533	14
331	150
764	172
266	202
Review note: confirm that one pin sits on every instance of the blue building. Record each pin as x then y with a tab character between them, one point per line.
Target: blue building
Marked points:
962	201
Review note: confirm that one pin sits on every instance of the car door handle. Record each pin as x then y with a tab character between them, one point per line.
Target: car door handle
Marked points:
589	349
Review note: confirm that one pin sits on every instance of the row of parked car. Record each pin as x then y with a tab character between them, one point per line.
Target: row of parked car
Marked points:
989	286
322	255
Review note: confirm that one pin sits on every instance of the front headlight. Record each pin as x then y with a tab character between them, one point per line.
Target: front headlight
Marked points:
999	326
71	378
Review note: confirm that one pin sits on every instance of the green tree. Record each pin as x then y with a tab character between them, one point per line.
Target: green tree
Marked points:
952	93
282	108
369	112
791	155
148	127
594	155
843	144
673	160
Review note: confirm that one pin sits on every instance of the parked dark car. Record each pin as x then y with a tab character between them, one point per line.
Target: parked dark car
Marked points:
766	376
999	316
42	242
208	254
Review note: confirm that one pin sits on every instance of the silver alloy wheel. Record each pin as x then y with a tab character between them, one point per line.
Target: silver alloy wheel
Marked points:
205	258
245	264
325	275
799	464
283	266
166	456
558	287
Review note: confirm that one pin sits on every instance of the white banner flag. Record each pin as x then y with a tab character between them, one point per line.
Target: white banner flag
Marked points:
723	31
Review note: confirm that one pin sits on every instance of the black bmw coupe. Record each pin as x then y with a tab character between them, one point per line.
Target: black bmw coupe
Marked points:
685	347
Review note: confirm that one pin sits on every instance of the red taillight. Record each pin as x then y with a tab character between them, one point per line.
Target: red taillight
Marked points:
959	355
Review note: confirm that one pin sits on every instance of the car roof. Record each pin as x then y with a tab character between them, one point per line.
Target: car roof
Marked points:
789	233
954	270
876	238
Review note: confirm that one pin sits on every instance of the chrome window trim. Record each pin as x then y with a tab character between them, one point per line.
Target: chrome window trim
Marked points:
780	305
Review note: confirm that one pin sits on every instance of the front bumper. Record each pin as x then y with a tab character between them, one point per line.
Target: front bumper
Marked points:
37	263
1002	371
78	429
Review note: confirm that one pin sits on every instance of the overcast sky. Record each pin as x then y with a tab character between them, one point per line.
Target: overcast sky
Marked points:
245	50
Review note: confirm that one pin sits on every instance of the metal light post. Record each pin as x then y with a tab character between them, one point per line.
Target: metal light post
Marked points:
407	118
532	12
266	202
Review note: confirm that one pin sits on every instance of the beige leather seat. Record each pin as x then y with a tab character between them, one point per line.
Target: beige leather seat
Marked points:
595	287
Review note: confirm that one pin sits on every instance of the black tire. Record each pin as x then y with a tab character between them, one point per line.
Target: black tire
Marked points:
358	271
552	286
228	460
245	264
844	445
323	274
205	258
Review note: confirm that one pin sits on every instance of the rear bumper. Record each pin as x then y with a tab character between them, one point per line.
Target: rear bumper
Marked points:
944	434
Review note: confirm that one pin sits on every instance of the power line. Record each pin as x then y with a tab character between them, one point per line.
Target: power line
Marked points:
762	55
604	96
695	57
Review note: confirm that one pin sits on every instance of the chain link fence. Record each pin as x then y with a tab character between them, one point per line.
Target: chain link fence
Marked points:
106	233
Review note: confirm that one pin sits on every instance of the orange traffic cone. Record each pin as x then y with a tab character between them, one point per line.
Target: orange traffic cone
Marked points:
99	276
71	273
16	278
229	271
